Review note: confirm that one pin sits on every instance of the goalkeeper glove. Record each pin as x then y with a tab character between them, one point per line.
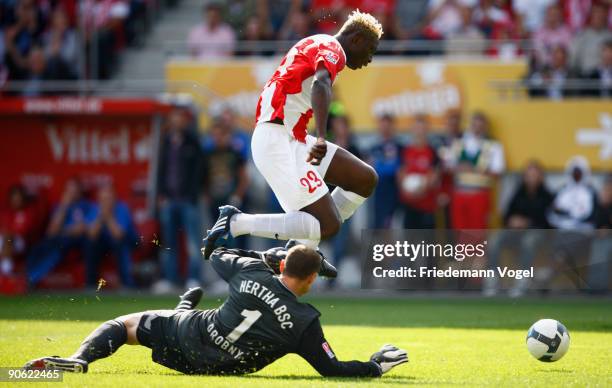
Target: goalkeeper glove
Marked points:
388	357
273	256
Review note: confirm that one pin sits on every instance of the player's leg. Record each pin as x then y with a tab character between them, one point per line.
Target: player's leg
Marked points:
299	187
101	343
108	337
354	180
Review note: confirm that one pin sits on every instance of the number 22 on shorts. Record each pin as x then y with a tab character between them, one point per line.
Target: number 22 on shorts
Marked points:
311	181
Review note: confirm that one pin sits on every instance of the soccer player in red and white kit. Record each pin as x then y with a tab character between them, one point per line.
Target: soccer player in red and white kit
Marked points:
295	164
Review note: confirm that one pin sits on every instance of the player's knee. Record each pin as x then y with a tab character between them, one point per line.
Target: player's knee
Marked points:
130	322
330	227
373	179
369	181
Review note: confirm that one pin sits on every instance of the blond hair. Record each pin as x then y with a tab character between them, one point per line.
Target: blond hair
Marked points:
362	22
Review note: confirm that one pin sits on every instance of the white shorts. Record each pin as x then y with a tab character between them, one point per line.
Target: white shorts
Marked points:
282	161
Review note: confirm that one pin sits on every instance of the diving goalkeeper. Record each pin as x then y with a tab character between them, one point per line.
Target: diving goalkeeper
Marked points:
260	321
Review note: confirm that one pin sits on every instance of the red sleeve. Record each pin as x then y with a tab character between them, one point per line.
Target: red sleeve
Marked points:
331	56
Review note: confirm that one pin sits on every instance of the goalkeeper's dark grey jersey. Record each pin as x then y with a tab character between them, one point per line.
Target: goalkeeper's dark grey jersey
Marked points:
260	321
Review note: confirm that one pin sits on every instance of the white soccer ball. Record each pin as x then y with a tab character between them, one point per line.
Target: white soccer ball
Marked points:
548	340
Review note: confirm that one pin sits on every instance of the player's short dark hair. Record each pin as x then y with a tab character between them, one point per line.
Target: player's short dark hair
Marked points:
301	262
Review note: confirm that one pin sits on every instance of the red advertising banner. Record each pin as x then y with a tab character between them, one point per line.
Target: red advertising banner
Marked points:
44	142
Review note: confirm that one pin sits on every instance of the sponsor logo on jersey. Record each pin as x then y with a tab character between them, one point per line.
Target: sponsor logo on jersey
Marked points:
328	350
332	57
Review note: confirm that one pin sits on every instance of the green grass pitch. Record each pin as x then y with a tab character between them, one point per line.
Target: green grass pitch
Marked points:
457	341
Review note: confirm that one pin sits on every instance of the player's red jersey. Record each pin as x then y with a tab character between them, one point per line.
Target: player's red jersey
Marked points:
286	95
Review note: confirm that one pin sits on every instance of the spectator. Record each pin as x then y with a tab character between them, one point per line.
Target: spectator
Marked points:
602	75
530	14
328	15
411	16
18	227
489	14
577	12
241	140
225	172
446	17
573	213
253	33
385	157
476	162
575	205
527	210
238	13
61	42
452	133
42	69
213	39
601	249
20	37
531	200
179	180
298	26
587	45
277	13
102	22
109	229
505	42
554	33
418	178
66	231
553	81
467	39
340	129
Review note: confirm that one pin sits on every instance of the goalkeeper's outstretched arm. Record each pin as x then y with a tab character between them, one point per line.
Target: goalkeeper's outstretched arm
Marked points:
317	351
228	262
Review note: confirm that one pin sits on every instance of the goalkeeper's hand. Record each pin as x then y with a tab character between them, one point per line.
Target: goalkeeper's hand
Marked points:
273	256
388	357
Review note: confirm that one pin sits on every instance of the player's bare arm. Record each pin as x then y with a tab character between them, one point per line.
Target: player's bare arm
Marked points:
321	98
301	163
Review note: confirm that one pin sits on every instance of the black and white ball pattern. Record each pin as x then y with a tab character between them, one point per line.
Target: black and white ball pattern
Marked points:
548	340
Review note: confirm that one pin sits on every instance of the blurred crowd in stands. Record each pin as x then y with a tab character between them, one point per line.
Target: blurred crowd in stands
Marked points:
42	40
445	179
563	40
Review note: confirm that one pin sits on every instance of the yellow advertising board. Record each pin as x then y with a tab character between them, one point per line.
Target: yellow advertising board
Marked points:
549	131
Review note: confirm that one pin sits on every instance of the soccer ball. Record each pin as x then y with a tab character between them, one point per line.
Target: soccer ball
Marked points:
548	340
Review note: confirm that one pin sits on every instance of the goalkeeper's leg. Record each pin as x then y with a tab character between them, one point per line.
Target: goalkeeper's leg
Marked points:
101	343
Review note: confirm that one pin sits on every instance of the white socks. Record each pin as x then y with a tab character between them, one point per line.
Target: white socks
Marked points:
282	226
294	225
346	202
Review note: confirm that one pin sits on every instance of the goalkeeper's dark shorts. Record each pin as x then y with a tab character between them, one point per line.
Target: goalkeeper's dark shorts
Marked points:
158	330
